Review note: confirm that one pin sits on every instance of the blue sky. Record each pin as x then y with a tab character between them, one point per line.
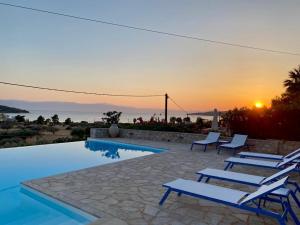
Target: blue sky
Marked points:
59	52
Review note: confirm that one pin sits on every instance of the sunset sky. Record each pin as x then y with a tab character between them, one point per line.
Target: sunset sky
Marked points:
46	50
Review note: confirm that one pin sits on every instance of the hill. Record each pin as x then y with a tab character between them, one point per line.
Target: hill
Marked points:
7	109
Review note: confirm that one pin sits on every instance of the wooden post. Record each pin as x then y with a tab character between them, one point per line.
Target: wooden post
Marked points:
166	108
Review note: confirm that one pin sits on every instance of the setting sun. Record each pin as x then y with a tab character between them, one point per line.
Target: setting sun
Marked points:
259	104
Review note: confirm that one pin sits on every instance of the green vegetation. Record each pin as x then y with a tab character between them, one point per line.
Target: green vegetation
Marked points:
7	109
280	121
111	117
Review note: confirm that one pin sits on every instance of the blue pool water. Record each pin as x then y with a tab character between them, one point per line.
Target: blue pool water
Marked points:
19	205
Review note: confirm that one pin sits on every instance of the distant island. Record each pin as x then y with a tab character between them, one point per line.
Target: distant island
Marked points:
7	109
209	113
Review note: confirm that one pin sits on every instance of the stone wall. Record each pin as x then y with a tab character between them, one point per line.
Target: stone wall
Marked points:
268	146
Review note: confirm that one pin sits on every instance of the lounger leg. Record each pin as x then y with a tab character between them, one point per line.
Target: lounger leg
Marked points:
205	146
292	213
179	194
207	179
165	196
227	166
281	222
295	198
234	151
200	178
219	149
192	146
259	204
282	204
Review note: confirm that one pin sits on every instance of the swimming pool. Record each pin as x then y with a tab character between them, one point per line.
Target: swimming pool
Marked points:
21	205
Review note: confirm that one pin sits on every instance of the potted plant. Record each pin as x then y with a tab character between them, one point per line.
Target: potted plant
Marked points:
112	118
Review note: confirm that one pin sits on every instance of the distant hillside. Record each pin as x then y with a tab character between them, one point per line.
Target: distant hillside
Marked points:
71	106
6	109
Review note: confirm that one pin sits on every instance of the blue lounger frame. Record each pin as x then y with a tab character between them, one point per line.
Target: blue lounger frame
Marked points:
234	146
272	165
212	138
281	218
291	193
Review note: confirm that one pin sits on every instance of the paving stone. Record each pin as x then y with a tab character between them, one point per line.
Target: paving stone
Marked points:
128	192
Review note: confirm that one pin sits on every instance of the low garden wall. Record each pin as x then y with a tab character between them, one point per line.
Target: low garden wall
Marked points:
268	146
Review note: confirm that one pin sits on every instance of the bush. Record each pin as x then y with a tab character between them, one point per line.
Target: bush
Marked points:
20	119
12	142
78	132
65	139
51	129
7	125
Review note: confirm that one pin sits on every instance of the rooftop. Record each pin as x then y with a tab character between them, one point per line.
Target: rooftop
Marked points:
128	192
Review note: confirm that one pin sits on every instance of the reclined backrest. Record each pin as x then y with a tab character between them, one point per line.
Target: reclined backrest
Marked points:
292	153
213	136
288	160
239	139
264	190
279	174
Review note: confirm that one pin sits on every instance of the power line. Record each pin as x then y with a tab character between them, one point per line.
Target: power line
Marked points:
151	30
178	105
78	92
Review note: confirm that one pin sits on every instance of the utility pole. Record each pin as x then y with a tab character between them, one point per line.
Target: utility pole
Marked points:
166	108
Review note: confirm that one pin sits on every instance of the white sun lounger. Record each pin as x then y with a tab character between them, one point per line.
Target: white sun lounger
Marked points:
253	180
238	141
231	161
232	197
211	138
268	156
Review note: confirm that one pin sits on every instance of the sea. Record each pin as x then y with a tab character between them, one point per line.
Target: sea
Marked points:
97	116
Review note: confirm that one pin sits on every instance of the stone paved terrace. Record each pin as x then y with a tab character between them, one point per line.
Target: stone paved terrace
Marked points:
128	192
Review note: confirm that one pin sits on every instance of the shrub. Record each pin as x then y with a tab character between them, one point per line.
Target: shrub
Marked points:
68	121
40	120
78	132
65	139
7	125
20	119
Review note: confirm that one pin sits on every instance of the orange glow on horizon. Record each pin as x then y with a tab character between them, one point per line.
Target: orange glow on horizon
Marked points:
259	104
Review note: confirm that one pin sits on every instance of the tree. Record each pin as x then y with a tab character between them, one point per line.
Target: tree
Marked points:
187	119
200	121
280	121
68	121
112	117
55	119
293	83
20	119
47	121
40	120
178	120
173	119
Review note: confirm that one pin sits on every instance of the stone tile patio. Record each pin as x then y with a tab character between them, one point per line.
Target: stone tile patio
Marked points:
128	192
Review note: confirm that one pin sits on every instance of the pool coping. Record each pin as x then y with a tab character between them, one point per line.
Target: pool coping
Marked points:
60	203
99	215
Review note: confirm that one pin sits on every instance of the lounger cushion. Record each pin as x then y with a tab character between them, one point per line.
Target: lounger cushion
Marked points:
203	142
252	162
233	176
230	145
261	155
204	190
